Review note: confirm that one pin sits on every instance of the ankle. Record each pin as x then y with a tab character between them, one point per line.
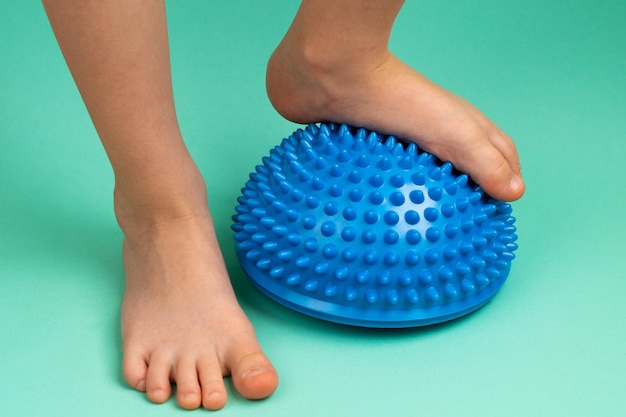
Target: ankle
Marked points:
144	209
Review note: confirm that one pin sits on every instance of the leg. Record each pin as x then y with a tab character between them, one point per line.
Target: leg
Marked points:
334	65
180	319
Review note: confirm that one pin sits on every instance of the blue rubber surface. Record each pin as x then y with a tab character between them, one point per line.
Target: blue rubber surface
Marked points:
354	227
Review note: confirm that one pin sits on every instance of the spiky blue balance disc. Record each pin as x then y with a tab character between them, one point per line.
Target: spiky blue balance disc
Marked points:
357	228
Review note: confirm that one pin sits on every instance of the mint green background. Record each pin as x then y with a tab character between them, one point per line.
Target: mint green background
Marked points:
552	343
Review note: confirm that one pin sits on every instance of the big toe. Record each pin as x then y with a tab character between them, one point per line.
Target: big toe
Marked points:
506	187
254	376
495	174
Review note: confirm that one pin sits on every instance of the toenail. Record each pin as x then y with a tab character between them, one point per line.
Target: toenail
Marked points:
214	396
214	399
516	182
157	394
192	396
254	372
141	385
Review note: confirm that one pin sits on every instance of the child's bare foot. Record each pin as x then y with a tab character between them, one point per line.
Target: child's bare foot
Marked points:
378	91
181	322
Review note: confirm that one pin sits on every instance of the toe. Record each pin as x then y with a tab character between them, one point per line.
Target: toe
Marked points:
134	368
254	376
489	157
493	173
505	145
158	388
188	393
212	382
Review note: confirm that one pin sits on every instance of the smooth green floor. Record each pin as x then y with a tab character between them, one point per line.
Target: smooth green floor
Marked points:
553	341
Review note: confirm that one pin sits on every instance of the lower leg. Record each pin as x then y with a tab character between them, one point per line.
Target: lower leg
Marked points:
178	293
334	65
118	55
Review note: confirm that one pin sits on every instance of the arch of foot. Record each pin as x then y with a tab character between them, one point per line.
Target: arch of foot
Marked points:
352	218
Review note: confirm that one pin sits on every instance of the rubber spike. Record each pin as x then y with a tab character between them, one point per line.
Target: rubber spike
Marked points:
435	174
390	142
398	150
461	180
324	131
411	150
373	139
312	129
344	131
